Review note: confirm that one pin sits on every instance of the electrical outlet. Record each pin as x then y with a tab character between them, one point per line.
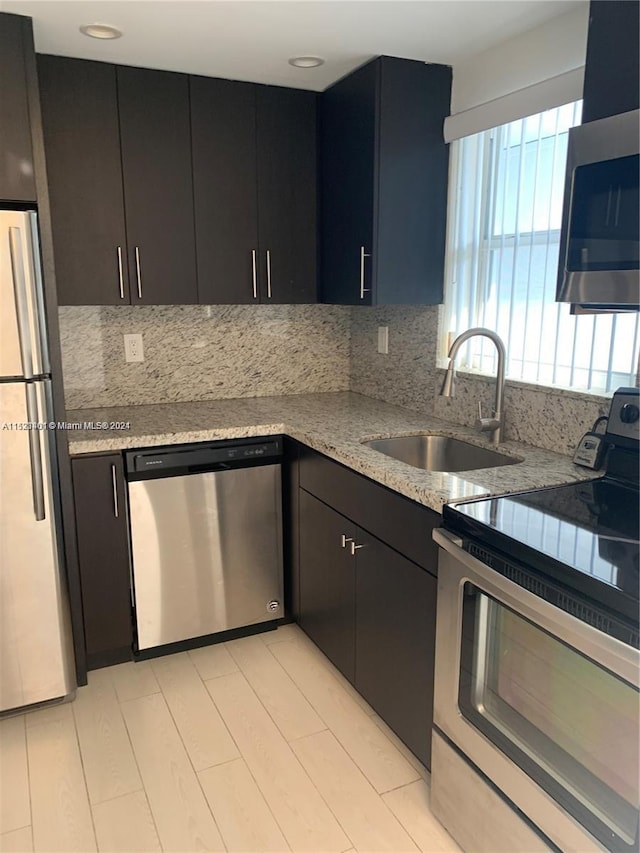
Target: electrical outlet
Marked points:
133	348
383	340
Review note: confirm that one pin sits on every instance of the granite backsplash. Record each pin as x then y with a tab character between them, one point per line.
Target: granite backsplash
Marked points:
215	352
199	352
552	419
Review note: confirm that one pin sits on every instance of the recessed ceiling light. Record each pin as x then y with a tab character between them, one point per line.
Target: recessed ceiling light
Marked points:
100	31
306	61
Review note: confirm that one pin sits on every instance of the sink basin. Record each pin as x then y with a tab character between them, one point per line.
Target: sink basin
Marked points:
439	453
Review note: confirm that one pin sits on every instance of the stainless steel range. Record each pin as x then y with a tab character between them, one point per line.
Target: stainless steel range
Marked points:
536	740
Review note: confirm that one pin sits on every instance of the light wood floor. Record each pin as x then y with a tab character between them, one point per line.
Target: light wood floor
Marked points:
258	744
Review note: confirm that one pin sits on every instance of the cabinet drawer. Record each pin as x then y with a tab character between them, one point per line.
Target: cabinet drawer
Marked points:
401	523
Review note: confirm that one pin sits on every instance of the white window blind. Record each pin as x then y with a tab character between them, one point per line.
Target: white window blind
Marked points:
505	211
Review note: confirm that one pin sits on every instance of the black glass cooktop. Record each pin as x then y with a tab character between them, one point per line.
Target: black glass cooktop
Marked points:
583	535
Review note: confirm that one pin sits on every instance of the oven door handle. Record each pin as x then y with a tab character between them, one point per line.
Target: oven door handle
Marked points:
611	653
444	537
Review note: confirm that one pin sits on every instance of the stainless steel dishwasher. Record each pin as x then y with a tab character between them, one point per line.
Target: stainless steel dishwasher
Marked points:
206	538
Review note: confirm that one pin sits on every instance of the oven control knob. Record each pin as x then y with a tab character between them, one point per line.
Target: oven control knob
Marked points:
629	413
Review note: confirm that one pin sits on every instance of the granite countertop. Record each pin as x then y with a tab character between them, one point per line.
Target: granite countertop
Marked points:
334	424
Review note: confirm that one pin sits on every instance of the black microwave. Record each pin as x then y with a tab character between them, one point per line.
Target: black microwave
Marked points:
599	261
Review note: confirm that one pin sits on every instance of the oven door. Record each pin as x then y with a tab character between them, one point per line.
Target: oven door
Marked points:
546	706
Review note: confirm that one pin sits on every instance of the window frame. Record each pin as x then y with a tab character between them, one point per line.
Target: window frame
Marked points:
468	287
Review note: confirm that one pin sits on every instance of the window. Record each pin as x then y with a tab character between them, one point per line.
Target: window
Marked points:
505	211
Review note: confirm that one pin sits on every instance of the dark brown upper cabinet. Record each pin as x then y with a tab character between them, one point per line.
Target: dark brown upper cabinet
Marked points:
82	142
168	189
612	69
223	129
16	157
155	134
384	184
118	149
255	190
287	200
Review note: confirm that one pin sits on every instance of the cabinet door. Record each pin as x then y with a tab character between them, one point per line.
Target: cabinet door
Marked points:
384	196
612	69
348	134
155	132
287	187
395	641
16	158
82	144
103	553
327	582
223	127
413	168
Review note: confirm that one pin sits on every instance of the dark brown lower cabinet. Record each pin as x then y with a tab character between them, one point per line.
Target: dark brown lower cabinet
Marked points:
369	608
395	641
327	582
103	554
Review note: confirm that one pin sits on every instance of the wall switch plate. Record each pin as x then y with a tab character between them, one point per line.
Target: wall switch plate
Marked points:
133	348
383	340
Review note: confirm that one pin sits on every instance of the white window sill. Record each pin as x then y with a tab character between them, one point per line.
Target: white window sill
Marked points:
532	386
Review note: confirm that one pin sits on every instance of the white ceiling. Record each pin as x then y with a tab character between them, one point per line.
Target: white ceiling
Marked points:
252	39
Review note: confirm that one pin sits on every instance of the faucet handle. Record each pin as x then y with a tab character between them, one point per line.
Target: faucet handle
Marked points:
486	424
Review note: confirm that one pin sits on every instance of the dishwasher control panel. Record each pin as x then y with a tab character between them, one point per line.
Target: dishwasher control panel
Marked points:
185	458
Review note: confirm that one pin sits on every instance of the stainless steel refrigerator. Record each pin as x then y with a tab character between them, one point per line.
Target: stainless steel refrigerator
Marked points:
36	653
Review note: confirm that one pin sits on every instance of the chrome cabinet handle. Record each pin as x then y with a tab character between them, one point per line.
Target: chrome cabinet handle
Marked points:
120	276
114	483
355	548
363	255
344	539
268	274
138	276
37	481
20	297
255	273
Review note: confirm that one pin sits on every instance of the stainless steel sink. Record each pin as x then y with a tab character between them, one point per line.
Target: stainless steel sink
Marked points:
439	453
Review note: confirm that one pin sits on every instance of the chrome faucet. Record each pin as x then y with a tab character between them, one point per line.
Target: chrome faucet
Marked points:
494	424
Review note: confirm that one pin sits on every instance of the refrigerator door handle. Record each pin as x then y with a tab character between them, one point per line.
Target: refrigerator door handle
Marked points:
37	296
20	294
35	453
